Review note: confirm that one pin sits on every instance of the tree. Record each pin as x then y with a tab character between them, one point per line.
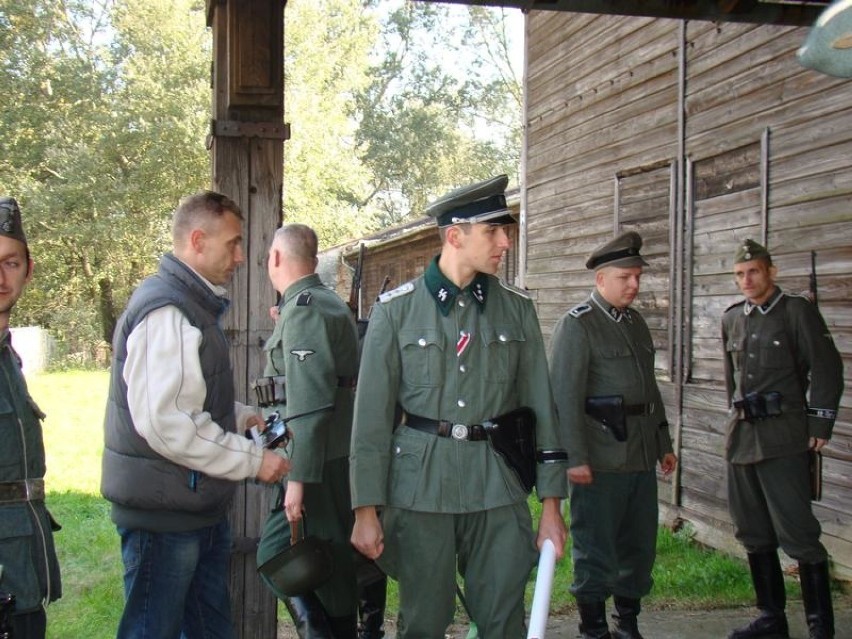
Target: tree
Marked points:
443	107
109	107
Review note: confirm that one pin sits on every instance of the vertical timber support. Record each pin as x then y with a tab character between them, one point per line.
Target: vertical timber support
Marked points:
246	141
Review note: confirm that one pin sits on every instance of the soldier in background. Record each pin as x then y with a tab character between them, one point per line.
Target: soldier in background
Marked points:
614	424
30	570
454	348
314	347
784	379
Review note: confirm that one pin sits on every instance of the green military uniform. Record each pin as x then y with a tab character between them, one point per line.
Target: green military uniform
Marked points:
782	346
314	346
784	379
461	356
27	553
600	353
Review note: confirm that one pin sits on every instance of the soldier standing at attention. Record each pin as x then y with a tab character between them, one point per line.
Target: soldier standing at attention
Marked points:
314	347
784	379
455	348
614	424
30	569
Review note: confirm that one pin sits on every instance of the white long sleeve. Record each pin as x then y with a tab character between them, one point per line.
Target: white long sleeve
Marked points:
166	392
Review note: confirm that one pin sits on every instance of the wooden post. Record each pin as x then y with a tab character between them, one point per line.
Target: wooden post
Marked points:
246	143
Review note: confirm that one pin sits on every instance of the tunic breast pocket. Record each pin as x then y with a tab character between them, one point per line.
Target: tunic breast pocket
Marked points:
735	345
502	345
774	351
422	352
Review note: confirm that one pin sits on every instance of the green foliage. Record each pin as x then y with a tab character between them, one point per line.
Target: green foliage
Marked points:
443	107
108	104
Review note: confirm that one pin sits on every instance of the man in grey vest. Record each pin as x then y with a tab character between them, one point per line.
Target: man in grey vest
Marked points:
174	444
30	570
784	379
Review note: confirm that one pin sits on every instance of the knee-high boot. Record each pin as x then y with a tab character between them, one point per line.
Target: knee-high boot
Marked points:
344	627
626	624
816	594
768	583
593	620
371	609
309	617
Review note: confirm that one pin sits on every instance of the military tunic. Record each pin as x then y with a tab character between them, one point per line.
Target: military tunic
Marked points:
314	345
598	350
782	346
27	553
463	356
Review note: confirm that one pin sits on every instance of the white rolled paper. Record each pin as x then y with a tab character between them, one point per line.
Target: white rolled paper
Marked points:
541	596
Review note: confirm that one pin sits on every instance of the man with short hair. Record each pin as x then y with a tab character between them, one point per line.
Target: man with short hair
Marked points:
455	350
174	444
614	424
784	378
30	570
313	355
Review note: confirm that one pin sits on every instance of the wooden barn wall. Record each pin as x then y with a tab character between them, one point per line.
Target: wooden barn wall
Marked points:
765	146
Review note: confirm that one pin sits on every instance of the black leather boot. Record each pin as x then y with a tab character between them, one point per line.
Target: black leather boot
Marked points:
816	594
344	627
593	620
626	625
768	583
309	617
371	609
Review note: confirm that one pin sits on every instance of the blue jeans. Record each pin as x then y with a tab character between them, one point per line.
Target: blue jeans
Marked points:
176	584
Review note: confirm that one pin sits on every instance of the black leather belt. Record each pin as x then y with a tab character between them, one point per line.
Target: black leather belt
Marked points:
643	410
24	490
443	428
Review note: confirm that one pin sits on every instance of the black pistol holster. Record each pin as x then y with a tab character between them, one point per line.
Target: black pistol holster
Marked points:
609	410
512	436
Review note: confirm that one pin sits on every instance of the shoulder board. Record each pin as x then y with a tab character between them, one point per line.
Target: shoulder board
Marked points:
580	310
800	296
304	299
514	289
734	305
399	291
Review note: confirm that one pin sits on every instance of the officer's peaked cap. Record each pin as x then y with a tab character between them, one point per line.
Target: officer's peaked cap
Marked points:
623	251
751	250
10	219
481	202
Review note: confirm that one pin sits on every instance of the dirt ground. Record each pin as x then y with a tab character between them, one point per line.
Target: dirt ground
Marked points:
663	624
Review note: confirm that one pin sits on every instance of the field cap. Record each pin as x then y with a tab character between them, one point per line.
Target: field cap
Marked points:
481	202
623	251
10	220
751	250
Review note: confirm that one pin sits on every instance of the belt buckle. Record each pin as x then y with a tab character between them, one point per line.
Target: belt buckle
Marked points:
459	431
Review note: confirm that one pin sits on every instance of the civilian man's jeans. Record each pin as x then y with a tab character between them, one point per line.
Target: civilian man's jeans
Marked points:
176	584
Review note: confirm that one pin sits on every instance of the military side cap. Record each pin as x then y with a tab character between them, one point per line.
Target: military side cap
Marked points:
10	220
481	202
751	250
623	251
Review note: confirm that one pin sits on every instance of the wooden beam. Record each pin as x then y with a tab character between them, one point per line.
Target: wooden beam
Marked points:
247	148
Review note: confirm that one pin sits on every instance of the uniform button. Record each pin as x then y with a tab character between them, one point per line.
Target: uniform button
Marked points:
397	450
462	369
750	376
754	335
421	342
502	338
775	342
751	355
461	303
461	403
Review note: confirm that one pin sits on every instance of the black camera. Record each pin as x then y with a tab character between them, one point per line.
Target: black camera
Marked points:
276	433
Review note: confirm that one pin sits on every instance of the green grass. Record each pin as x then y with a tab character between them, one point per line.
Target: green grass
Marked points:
686	575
